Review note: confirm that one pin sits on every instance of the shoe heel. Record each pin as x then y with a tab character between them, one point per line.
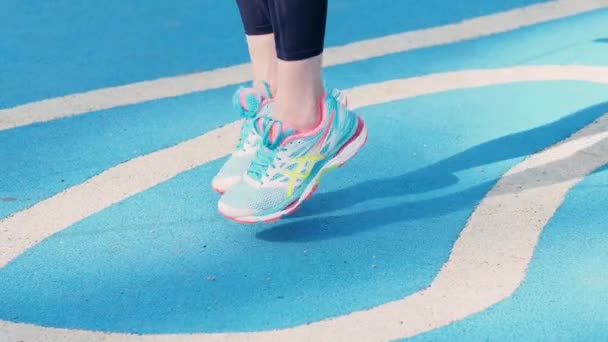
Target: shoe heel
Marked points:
352	147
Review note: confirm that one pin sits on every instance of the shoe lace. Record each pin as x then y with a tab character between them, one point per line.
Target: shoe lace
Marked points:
243	141
247	112
265	156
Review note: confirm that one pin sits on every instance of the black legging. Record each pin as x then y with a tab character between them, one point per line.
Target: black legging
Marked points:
298	25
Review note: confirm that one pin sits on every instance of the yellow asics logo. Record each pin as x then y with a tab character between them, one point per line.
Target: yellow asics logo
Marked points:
304	166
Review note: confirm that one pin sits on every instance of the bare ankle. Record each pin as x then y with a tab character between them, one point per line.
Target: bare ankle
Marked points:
299	118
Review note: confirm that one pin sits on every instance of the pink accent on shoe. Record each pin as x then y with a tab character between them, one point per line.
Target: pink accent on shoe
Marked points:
265	101
292	208
274	132
360	125
264	89
217	190
234	219
312	192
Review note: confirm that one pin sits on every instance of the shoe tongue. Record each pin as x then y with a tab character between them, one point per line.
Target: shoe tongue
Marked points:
273	131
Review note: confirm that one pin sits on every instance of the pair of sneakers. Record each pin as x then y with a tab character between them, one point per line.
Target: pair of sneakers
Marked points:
273	168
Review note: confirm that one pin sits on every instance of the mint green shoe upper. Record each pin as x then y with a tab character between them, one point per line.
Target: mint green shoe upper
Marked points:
286	162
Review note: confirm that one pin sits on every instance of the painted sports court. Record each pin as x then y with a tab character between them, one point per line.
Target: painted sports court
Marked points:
476	212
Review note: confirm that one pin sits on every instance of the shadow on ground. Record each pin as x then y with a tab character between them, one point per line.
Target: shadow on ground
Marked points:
432	177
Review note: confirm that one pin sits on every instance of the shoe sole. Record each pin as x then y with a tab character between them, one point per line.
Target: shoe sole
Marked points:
346	153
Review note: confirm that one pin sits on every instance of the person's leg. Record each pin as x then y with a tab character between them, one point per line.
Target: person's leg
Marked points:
249	101
310	131
299	30
260	41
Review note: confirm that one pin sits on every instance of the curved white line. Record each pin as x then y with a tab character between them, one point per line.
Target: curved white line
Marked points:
105	98
486	265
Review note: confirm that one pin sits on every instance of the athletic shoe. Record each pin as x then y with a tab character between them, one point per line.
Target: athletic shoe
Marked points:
250	104
288	166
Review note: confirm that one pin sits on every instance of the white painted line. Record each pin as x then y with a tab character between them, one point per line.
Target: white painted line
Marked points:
111	186
105	98
487	263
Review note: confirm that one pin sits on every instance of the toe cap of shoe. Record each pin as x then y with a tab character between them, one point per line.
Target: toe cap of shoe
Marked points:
223	184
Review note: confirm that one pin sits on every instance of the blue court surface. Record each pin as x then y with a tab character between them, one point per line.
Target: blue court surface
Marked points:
93	252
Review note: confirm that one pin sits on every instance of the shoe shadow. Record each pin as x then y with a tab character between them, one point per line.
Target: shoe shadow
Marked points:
435	176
